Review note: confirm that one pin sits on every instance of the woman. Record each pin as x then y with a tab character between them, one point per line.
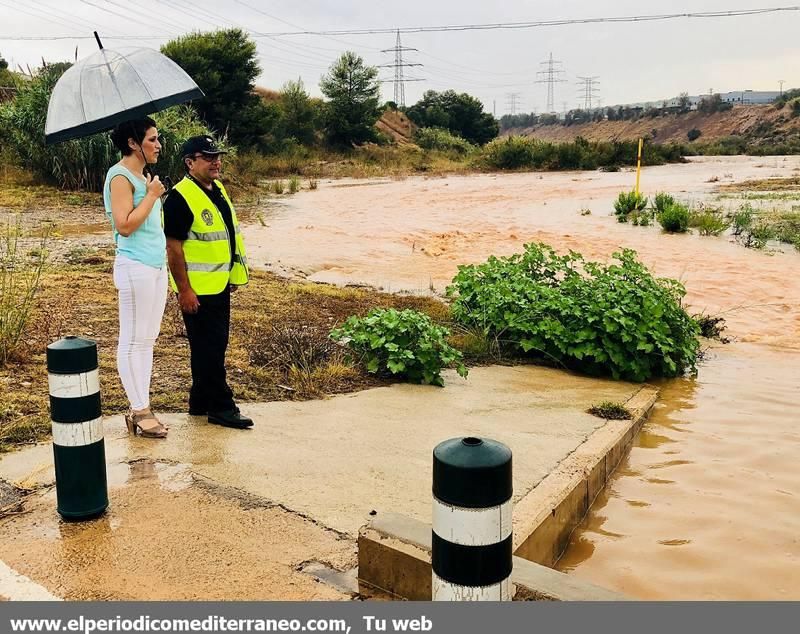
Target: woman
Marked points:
133	204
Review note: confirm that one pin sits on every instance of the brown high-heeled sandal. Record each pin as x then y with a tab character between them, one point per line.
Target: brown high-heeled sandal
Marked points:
134	423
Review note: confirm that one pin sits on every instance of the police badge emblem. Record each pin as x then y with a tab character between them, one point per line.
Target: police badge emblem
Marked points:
207	217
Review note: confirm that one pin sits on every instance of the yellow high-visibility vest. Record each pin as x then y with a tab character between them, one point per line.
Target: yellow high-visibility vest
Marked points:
207	250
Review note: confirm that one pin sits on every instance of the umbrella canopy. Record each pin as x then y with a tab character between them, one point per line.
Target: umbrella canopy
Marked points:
112	86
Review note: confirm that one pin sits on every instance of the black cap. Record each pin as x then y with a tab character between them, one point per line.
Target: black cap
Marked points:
201	144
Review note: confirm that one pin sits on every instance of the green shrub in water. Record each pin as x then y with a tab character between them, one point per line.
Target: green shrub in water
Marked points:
675	218
405	343
708	221
628	202
614	319
662	200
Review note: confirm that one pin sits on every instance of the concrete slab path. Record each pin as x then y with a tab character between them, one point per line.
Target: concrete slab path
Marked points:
317	471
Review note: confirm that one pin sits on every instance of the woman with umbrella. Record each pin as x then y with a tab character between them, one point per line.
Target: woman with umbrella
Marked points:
119	87
133	204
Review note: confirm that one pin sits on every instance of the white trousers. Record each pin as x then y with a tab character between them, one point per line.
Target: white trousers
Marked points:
142	297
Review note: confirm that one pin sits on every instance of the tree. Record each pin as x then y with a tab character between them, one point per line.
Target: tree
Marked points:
460	113
225	66
298	115
6	76
683	102
352	89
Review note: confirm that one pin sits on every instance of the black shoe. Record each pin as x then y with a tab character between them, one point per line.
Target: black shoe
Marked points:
230	418
197	411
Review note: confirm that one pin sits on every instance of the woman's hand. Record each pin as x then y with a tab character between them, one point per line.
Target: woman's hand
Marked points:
188	301
154	186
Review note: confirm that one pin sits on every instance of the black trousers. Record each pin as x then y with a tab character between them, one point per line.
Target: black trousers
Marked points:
208	330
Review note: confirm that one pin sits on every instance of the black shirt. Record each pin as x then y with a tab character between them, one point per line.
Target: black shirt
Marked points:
178	218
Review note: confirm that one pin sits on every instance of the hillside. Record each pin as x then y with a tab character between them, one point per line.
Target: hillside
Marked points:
757	124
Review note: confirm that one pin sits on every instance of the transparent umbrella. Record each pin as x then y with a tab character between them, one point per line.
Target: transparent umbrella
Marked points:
112	86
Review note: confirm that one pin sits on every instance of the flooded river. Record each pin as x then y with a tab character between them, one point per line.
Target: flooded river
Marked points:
707	505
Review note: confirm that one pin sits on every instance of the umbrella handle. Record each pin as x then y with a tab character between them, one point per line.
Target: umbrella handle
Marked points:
99	43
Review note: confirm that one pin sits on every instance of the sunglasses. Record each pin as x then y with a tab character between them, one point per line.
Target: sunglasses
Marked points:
208	158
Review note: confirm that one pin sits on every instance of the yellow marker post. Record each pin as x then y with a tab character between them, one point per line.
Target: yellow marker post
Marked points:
638	166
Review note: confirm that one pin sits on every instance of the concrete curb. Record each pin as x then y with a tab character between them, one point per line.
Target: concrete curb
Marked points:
545	518
394	562
394	551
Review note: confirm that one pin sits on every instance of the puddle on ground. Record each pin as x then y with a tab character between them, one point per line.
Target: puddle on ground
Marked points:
158	541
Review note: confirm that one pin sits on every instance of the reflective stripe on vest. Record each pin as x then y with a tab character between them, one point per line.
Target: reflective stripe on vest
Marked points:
207	247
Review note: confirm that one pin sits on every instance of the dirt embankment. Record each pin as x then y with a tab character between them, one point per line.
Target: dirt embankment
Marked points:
756	123
396	125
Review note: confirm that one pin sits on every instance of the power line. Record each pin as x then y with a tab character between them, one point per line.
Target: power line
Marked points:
480	27
399	65
550	76
542	23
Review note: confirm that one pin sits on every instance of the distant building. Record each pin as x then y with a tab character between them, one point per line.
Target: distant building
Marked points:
735	97
743	97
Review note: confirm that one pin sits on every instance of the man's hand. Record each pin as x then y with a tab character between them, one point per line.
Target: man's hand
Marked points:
188	301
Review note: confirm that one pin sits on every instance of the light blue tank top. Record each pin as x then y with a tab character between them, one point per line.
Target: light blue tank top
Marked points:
147	244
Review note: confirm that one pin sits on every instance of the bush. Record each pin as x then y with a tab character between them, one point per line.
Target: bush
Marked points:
404	343
757	235
441	139
708	222
693	134
511	152
614	319
675	218
627	203
662	200
742	219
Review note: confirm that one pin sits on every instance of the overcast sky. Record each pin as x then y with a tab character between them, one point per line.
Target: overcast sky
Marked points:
634	61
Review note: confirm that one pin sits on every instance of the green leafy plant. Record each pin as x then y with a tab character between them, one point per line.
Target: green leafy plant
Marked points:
294	185
628	202
404	343
614	319
675	218
278	186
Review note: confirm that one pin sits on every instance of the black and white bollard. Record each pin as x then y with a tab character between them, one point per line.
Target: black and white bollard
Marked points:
78	444
471	552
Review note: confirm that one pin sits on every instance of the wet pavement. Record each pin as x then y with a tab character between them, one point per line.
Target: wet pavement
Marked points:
216	513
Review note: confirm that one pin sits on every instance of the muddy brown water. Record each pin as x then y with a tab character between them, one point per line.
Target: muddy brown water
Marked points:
707	503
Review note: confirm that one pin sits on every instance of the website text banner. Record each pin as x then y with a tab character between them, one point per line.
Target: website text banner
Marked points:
399	617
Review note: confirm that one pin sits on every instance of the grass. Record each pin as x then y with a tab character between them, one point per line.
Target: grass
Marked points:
267	305
19	191
763	185
610	411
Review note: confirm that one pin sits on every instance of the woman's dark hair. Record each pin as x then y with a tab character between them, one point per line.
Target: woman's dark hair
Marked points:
134	129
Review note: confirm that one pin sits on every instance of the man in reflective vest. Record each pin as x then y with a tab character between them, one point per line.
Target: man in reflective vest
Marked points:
207	261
